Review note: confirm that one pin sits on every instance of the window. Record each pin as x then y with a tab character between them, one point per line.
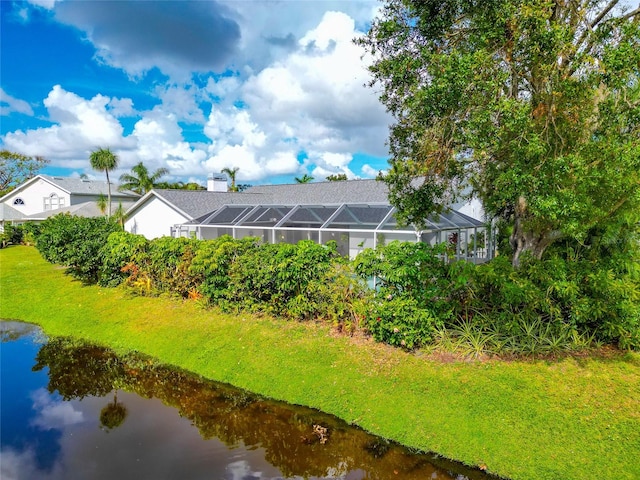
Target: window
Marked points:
53	202
18	201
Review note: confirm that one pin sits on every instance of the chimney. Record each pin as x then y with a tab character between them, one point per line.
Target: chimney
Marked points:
217	183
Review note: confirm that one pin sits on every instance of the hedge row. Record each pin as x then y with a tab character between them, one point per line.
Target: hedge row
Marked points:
418	299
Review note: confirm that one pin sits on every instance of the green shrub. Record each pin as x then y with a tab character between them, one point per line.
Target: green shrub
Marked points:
12	235
121	250
211	264
341	297
417	291
280	278
576	296
56	233
402	322
30	232
579	295
545	300
167	263
75	242
412	270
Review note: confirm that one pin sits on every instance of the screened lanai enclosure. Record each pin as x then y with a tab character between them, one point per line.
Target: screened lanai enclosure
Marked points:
352	226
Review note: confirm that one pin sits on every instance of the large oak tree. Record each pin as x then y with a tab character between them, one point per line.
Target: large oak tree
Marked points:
534	104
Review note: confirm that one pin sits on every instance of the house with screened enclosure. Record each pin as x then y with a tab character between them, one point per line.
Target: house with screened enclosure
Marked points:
355	214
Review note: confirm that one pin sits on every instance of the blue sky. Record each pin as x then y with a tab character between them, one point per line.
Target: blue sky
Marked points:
273	88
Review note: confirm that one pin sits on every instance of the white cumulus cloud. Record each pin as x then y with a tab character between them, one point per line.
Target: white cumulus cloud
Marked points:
121	107
9	104
53	414
311	100
368	171
47	4
159	143
80	125
303	98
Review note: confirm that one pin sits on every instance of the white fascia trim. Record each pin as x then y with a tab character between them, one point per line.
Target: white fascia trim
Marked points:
140	203
23	186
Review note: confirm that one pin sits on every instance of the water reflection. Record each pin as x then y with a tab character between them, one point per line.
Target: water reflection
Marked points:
97	415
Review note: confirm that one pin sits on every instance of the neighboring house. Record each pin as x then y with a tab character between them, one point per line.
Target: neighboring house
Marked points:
355	214
158	212
164	212
86	209
44	195
8	215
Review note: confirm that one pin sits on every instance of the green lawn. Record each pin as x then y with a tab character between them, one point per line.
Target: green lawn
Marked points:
575	418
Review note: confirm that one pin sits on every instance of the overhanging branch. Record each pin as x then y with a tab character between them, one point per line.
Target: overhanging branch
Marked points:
630	14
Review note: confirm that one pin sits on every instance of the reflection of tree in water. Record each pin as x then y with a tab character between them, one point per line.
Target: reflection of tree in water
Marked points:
113	414
78	370
234	416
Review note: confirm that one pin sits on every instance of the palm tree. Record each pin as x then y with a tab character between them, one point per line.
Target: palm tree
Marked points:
139	180
232	175
101	201
119	215
104	159
113	414
306	178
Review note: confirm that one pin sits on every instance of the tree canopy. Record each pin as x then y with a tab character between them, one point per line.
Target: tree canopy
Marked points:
104	159
306	178
179	186
16	168
532	105
139	180
337	177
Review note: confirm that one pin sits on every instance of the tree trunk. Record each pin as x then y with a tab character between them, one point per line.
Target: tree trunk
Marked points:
106	171
524	240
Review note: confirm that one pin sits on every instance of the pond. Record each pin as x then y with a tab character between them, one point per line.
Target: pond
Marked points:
75	410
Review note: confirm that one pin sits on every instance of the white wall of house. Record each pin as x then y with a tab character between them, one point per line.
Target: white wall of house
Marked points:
38	197
154	219
473	208
116	198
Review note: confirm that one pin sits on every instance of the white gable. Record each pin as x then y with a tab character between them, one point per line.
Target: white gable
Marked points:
37	196
154	219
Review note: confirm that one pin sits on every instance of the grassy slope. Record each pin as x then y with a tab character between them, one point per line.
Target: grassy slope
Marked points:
569	419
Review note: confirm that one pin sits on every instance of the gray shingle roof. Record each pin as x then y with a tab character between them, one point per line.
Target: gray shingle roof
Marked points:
196	203
323	193
79	186
7	212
